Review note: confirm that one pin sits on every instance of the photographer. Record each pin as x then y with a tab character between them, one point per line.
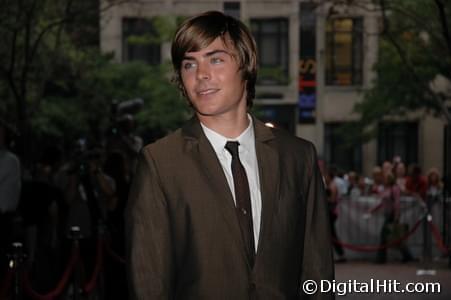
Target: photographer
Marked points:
90	193
121	136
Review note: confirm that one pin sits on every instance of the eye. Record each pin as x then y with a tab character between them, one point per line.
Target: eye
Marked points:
188	65
216	60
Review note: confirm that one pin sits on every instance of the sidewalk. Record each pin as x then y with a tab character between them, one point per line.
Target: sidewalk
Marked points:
403	273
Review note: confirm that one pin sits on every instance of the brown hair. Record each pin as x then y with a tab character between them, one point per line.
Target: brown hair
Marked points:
200	31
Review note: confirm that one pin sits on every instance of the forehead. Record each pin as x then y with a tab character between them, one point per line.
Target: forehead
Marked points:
219	44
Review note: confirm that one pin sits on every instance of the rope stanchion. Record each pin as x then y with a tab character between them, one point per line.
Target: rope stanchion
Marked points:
438	239
61	284
6	284
373	248
90	285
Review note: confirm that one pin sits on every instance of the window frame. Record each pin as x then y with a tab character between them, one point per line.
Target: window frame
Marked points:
387	131
355	69
139	27
333	137
282	36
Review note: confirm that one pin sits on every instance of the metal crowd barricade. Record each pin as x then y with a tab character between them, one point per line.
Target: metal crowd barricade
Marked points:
353	228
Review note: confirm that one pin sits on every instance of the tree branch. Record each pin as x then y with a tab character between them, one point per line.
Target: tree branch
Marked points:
444	23
27	57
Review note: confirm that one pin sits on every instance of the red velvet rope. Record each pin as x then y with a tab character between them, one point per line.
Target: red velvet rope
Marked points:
74	259
438	238
6	284
365	206
61	284
90	285
373	248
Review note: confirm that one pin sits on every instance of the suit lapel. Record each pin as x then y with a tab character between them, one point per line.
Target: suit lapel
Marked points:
268	165
205	155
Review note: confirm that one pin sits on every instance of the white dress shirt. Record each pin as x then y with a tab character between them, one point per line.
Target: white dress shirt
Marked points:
248	158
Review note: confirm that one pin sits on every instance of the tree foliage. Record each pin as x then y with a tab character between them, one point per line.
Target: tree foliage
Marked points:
414	52
55	83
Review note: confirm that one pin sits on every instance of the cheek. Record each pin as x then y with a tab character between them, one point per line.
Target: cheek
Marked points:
187	82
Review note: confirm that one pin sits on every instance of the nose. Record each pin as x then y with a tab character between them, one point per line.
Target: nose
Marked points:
203	71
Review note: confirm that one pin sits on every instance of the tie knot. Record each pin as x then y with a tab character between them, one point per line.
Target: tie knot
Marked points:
232	147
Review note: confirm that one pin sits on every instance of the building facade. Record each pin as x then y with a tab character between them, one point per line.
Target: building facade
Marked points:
315	61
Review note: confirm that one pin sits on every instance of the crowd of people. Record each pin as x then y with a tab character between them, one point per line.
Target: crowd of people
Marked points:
388	182
88	189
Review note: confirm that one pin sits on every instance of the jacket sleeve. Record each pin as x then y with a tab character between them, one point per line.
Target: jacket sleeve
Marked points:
318	261
149	249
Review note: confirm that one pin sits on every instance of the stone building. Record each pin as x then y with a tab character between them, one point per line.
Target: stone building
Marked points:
315	61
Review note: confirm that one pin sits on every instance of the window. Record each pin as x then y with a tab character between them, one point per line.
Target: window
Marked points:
271	36
232	9
140	41
398	138
344	49
339	152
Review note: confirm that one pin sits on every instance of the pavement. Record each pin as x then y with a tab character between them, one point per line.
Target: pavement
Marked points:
362	273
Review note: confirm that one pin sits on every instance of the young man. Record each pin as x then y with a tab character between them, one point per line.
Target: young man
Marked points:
225	208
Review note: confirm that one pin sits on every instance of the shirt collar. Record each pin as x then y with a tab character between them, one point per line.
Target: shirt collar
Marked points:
218	141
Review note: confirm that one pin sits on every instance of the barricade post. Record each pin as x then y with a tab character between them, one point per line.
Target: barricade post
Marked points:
16	260
75	236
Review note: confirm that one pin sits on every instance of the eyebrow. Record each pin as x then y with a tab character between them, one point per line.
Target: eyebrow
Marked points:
208	54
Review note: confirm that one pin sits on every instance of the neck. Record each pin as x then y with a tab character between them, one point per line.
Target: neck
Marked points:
228	126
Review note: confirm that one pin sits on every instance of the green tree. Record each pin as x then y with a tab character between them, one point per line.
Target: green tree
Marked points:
57	85
414	64
38	38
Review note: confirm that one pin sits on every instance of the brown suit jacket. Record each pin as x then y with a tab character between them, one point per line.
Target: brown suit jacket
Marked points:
184	240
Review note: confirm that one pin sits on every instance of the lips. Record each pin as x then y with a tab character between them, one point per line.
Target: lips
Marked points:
209	91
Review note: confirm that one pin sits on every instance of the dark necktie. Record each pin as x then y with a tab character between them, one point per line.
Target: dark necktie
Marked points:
243	200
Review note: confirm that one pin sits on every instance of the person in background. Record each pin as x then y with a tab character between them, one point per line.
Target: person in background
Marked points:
124	140
10	179
10	185
416	183
333	197
390	203
357	186
378	181
434	186
400	175
387	168
39	207
89	186
341	182
115	167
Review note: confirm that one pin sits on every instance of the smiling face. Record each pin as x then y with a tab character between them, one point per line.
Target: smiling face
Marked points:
213	82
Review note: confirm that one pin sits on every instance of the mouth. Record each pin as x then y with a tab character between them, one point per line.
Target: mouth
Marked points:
207	91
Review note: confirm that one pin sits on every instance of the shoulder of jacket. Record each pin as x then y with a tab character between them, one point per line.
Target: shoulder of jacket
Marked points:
284	138
164	145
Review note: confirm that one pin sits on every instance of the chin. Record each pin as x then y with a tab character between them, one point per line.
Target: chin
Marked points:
205	110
